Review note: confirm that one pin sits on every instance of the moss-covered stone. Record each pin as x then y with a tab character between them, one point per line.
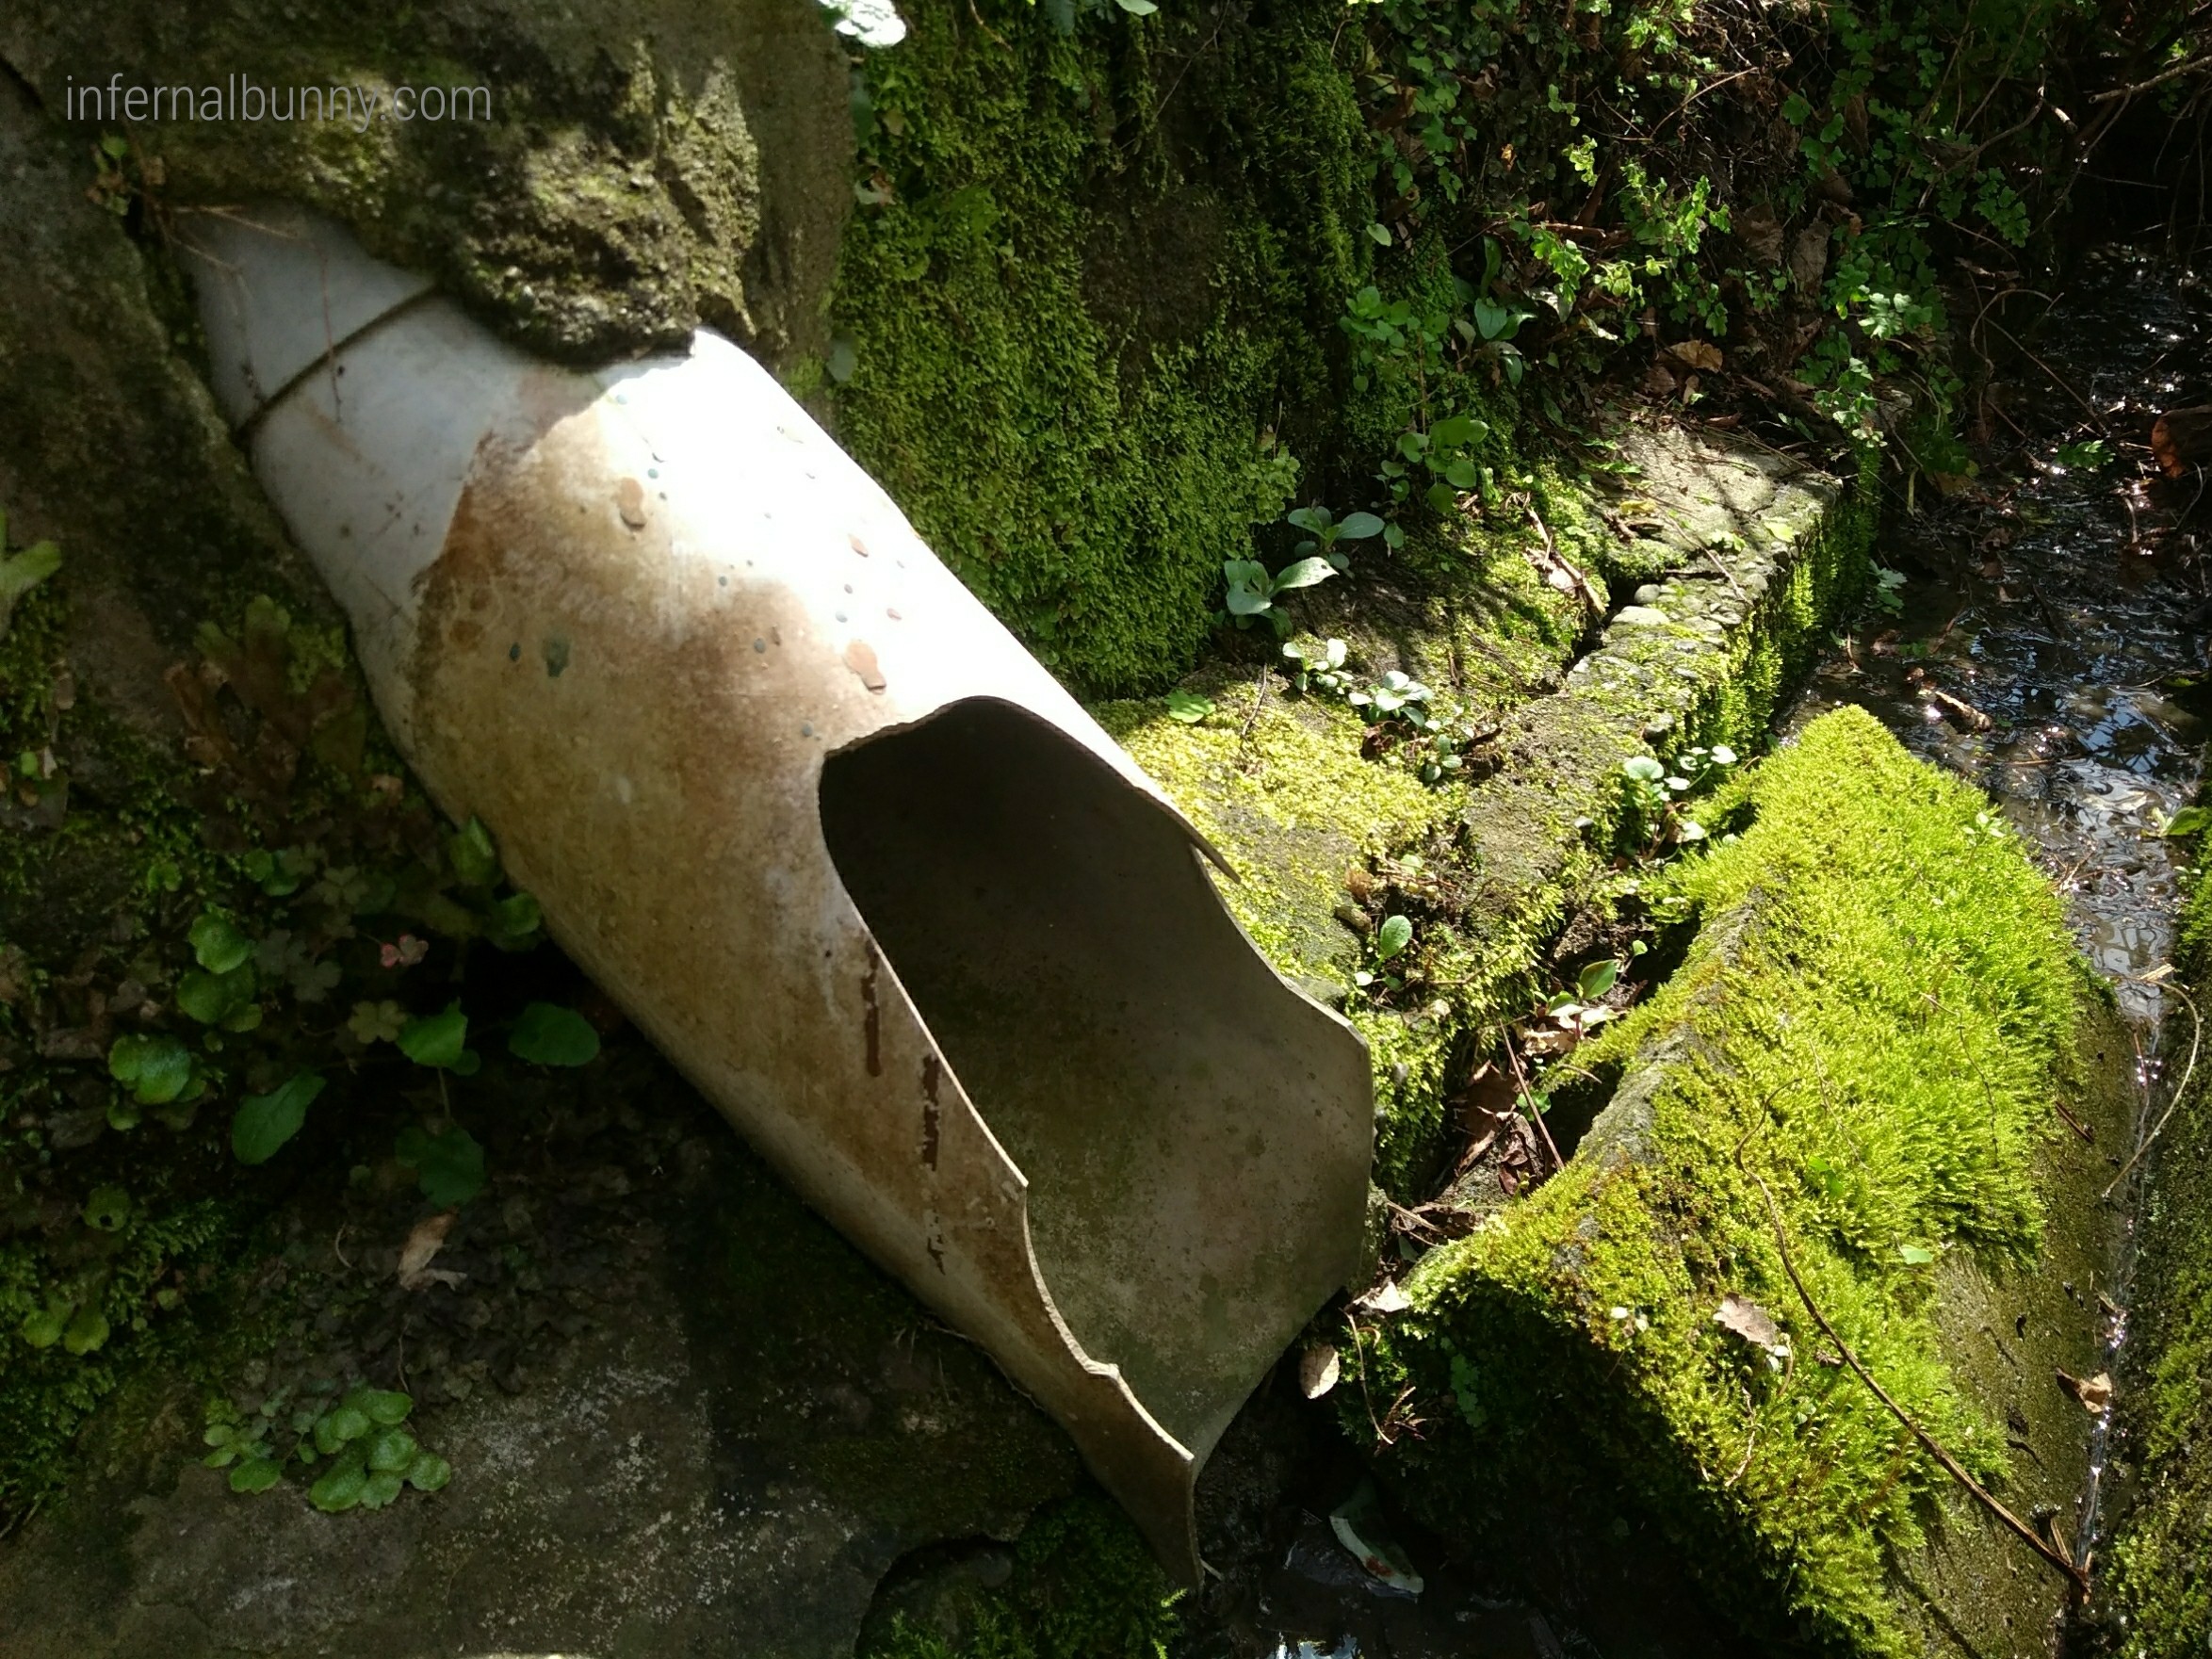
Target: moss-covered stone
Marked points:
1328	829
595	180
1874	1020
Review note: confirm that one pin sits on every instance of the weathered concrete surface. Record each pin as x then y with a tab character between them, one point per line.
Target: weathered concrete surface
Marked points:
747	1427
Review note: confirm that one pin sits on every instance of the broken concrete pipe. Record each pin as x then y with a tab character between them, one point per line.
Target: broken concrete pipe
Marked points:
857	863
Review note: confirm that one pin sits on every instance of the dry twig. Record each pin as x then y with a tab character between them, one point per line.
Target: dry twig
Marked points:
1951	1466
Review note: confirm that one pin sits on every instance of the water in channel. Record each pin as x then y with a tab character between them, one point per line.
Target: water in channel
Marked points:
2046	641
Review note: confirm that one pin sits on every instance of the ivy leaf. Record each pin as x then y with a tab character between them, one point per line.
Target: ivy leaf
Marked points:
515	922
1307	573
156	1069
1455	431
383	1407
214	998
107	1209
2189	820
547	1034
256	1475
86	1332
429	1471
44	1328
1188	707
1248	586
1394	934
1137	8
338	1490
392	1452
437	1039
450	1166
339	1427
381	1488
475	863
265	1122
216	944
1643	768
1916	1254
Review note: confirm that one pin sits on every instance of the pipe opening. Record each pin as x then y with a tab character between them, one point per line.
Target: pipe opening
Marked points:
1177	1111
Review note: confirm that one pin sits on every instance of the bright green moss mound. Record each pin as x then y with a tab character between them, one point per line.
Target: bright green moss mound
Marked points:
1871	1020
2159	1571
1077	298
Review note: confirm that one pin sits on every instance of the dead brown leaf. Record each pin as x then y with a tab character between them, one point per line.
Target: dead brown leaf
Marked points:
1958	711
1808	258
1752	1323
1761	231
2092	1393
421	1249
1702	354
2181	438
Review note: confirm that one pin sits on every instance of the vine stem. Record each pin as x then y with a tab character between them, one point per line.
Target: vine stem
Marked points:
1951	1465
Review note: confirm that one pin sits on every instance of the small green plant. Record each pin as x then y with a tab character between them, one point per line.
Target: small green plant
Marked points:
1392	941
1188	708
1656	796
156	1067
1444	453
22	571
1319	667
437	1040
359	1449
1889	590
1252	592
2088	455
1324	532
1403	714
1583	1006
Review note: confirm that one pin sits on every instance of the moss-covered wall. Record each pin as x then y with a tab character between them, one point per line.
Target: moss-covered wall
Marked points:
1883	1004
1086	308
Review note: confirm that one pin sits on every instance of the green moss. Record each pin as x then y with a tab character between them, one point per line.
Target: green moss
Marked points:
1085	295
1282	790
1084	1588
600	196
1874	1020
2156	1573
